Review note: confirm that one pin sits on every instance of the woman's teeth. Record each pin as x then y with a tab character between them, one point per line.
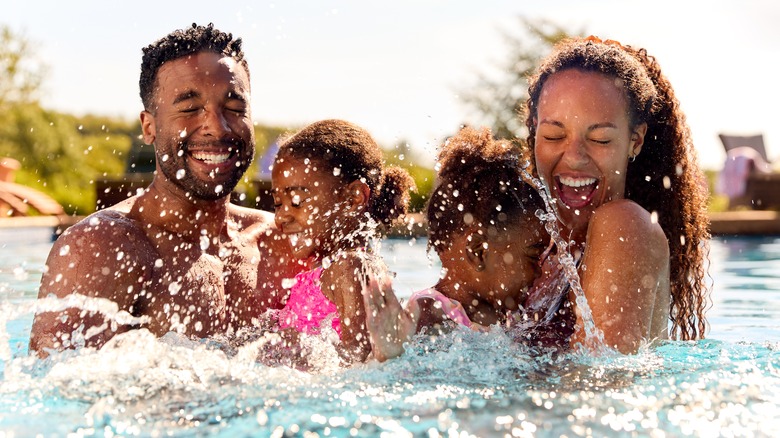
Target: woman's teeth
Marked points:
577	182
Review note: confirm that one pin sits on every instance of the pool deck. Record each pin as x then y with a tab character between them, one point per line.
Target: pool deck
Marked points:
734	223
745	222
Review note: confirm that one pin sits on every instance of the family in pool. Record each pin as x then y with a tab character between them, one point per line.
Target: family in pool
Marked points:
624	252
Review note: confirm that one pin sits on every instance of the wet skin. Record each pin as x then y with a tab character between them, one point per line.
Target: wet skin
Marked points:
583	142
180	254
488	271
319	212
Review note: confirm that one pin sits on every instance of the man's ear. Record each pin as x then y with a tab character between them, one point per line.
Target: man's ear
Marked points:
148	127
638	139
357	194
476	252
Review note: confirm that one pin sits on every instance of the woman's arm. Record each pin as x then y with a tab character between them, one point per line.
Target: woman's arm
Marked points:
625	276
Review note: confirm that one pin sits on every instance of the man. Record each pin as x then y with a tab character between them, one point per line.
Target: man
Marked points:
178	257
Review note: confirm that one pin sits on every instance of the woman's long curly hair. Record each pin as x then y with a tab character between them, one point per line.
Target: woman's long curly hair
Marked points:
664	178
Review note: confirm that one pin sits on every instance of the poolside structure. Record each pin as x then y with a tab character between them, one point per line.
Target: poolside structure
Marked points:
139	172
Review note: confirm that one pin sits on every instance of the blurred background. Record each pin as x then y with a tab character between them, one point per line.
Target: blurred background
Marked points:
411	72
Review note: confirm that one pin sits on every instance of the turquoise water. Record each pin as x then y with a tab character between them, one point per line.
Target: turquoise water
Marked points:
461	384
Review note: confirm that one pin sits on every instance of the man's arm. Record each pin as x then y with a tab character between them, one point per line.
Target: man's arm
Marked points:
104	256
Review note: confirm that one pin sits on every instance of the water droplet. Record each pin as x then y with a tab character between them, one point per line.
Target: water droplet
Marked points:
180	173
460	207
204	243
218	188
65	250
287	283
158	263
120	255
336	171
165	157
183	133
20	274
174	288
262	417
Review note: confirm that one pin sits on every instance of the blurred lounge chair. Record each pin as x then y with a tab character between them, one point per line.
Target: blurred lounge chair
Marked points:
16	199
747	178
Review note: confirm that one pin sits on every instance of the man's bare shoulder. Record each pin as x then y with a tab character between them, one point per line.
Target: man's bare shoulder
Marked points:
104	226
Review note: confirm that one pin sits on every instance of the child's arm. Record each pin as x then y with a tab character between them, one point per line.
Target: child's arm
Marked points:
389	324
341	283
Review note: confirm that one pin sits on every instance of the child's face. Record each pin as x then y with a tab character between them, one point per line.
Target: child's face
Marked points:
307	206
512	262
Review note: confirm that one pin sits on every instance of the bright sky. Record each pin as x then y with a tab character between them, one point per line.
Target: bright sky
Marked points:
396	67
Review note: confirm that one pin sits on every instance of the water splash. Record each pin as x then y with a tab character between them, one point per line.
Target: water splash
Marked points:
594	336
109	309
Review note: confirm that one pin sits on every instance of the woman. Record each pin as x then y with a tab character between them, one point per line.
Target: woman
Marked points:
614	152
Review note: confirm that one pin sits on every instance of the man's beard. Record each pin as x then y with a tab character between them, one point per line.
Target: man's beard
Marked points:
208	190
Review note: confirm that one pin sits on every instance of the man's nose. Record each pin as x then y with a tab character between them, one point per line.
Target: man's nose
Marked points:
214	123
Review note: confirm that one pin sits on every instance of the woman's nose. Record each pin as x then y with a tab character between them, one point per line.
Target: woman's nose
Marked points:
576	153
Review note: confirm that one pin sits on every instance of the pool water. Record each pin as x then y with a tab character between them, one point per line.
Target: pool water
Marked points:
460	384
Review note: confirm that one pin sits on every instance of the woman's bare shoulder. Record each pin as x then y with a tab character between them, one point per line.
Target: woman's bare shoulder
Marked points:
627	218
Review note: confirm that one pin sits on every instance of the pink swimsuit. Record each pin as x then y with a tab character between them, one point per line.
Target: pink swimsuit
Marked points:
451	308
308	306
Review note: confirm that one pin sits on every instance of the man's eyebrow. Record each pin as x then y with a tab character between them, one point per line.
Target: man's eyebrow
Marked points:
186	95
236	96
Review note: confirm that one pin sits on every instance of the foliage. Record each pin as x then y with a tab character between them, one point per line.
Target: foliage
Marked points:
717	202
20	73
499	99
60	154
403	156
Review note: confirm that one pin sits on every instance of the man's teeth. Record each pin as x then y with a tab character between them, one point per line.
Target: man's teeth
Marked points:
211	158
577	182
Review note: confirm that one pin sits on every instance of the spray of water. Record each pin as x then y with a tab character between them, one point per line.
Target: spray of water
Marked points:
594	336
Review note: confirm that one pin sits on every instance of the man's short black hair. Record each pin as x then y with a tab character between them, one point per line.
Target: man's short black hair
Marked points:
183	42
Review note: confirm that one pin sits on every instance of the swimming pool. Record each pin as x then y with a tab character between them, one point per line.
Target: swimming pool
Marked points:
461	384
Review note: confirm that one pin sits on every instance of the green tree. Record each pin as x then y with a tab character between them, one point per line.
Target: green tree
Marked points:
403	156
499	97
21	75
